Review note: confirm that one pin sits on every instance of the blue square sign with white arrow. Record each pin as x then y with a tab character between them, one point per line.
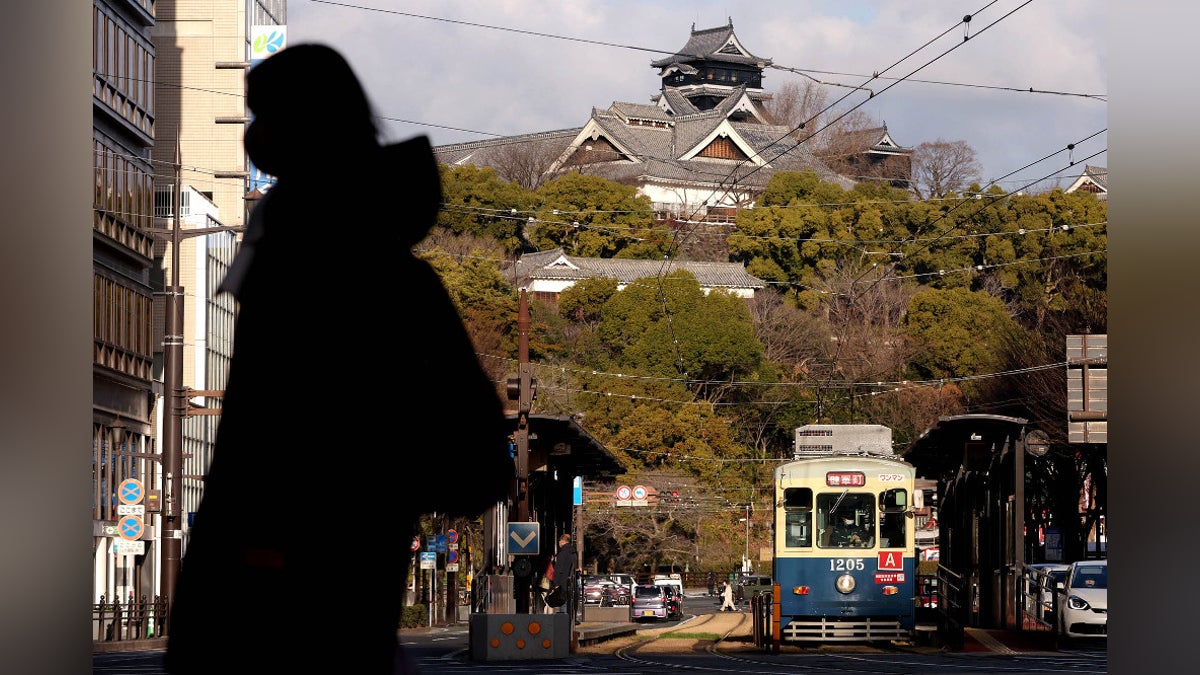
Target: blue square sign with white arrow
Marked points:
523	538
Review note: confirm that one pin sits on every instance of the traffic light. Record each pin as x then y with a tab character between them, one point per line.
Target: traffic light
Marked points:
675	496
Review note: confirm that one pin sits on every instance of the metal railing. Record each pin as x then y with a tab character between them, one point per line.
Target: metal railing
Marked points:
138	619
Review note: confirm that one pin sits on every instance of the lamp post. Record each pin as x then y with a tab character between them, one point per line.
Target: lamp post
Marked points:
746	557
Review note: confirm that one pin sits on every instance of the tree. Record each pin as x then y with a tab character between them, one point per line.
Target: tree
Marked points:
943	167
791	338
797	104
596	217
477	201
957	333
525	163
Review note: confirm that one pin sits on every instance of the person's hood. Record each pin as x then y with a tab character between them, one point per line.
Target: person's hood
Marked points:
409	168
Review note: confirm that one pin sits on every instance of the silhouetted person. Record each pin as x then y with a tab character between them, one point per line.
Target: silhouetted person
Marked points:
351	368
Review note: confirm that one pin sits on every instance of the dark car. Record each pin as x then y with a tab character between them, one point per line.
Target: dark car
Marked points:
649	602
674	601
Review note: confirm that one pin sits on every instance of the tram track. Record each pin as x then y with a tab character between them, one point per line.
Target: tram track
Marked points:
657	649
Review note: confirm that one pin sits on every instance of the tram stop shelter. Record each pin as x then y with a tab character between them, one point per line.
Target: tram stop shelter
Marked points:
976	460
505	625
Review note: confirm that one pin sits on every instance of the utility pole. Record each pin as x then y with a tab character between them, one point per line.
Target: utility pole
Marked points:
171	538
175	397
525	393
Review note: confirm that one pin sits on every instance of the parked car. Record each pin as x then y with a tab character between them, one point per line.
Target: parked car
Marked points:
649	602
1083	602
596	589
755	584
623	579
619	593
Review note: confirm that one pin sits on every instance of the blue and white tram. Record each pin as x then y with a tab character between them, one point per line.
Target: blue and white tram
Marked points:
844	548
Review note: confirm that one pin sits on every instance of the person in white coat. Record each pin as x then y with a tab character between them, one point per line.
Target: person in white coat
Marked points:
727	595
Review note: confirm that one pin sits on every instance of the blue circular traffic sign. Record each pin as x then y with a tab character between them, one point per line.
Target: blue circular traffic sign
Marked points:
131	491
130	527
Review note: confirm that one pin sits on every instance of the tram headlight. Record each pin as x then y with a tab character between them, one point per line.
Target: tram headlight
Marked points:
845	583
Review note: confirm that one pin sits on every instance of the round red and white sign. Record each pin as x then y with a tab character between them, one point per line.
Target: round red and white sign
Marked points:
639	492
623	492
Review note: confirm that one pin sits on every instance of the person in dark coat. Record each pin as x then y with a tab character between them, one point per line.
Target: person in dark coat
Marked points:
350	365
566	563
712	583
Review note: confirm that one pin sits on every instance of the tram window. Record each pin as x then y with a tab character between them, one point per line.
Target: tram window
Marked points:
797	498
892	514
845	520
895	499
797	513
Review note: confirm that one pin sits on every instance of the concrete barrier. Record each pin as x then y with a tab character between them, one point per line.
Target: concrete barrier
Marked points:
606	614
519	637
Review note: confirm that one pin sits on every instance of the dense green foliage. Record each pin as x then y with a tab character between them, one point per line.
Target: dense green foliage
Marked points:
880	309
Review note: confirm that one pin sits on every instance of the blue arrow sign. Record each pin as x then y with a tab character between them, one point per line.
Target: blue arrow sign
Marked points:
523	538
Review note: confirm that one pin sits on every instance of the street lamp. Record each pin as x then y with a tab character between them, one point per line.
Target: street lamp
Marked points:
746	557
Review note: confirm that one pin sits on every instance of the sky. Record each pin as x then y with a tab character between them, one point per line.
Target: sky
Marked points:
463	71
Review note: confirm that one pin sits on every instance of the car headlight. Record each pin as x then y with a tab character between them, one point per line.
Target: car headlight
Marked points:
845	583
1076	602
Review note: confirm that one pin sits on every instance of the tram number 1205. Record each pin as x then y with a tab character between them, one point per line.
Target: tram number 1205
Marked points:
846	564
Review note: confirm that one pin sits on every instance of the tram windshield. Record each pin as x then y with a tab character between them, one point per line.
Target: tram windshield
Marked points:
846	519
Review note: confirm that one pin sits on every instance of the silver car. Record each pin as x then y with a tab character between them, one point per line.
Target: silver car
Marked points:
649	602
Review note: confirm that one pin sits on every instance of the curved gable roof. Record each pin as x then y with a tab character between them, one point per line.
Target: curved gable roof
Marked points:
713	44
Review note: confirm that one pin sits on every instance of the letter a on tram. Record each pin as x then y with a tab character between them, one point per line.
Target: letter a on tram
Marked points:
891	560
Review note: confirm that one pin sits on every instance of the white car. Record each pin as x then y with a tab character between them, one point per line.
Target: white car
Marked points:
623	579
1083	602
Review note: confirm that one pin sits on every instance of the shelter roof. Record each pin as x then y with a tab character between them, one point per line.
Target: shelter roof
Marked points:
569	447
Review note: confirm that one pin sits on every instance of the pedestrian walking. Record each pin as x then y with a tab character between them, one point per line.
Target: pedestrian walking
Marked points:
712	583
727	595
325	259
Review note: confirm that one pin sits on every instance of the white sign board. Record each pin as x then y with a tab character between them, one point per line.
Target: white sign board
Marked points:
126	547
429	560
